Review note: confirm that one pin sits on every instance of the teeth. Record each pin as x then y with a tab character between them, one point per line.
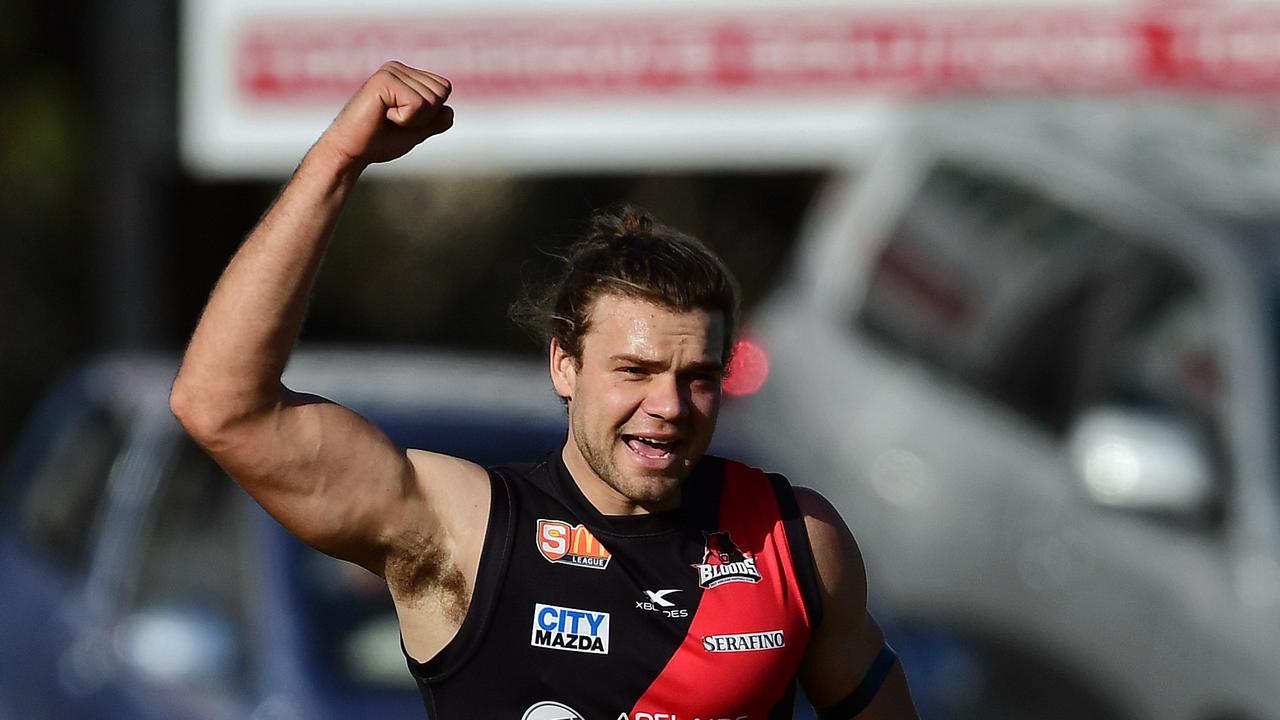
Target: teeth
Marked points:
661	446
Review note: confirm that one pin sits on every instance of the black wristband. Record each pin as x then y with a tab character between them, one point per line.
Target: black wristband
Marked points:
861	697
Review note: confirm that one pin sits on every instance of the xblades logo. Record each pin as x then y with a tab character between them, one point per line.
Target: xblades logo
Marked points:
659	597
658	602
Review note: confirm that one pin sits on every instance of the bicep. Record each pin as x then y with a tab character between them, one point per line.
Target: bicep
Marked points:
328	475
846	642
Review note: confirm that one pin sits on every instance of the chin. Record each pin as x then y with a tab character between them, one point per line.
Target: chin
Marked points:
651	489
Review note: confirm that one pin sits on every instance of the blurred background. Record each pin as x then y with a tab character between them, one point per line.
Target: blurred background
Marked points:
1010	277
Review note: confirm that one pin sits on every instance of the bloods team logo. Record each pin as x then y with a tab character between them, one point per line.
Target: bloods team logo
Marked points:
560	542
562	628
722	562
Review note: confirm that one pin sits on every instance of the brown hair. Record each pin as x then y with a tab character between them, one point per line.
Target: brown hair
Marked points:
625	251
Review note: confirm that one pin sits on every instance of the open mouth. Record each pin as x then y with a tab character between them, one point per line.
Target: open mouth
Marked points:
649	447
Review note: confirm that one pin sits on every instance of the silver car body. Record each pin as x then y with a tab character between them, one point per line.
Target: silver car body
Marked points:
1107	520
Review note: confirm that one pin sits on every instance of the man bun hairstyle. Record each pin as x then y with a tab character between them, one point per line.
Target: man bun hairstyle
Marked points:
626	252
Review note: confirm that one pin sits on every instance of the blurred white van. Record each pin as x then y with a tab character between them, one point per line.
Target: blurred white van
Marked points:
1030	353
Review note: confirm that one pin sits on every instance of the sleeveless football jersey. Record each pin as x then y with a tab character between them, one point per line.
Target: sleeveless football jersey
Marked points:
699	613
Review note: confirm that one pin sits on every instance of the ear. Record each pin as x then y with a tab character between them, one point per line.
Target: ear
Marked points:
564	370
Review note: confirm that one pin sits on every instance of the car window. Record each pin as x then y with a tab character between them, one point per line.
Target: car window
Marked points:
63	498
357	633
1039	308
981	281
1155	347
187	622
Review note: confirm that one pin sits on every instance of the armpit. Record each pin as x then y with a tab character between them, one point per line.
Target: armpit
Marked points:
421	571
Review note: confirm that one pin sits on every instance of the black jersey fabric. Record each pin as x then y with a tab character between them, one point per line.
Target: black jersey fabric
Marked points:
699	613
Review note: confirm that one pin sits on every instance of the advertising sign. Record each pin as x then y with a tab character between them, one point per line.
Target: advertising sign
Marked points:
589	86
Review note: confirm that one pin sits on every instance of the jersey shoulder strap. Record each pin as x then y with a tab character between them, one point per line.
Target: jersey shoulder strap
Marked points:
748	486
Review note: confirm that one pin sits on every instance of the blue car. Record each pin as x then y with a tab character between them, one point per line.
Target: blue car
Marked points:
140	582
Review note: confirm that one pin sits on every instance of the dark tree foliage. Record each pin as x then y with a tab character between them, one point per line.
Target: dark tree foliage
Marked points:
44	133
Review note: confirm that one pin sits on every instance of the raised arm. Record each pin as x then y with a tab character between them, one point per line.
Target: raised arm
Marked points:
848	672
326	474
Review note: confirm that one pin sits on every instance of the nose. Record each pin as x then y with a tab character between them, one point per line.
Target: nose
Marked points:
664	399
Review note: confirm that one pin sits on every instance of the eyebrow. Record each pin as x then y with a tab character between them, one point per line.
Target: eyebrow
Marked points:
714	366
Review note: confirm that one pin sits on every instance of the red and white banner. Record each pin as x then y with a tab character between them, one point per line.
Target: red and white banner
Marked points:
787	53
552	74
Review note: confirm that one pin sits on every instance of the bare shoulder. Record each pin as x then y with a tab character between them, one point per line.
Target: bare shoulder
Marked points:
439	471
441	529
849	641
456	493
835	551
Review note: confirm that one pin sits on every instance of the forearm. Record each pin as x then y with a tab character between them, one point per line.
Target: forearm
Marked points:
242	342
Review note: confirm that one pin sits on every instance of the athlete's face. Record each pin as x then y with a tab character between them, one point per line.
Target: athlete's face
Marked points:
643	401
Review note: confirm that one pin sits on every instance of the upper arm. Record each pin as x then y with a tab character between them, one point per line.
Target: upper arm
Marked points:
338	483
847	641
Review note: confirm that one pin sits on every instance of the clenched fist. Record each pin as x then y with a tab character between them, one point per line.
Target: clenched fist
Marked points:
396	108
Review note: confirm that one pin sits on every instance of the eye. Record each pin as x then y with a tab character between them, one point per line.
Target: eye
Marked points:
706	379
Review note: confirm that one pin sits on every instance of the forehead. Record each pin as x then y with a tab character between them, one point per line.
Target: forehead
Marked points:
622	324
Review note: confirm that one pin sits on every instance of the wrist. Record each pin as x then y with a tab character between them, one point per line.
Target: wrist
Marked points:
329	160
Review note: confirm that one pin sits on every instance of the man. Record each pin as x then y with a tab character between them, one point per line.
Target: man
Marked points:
627	576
